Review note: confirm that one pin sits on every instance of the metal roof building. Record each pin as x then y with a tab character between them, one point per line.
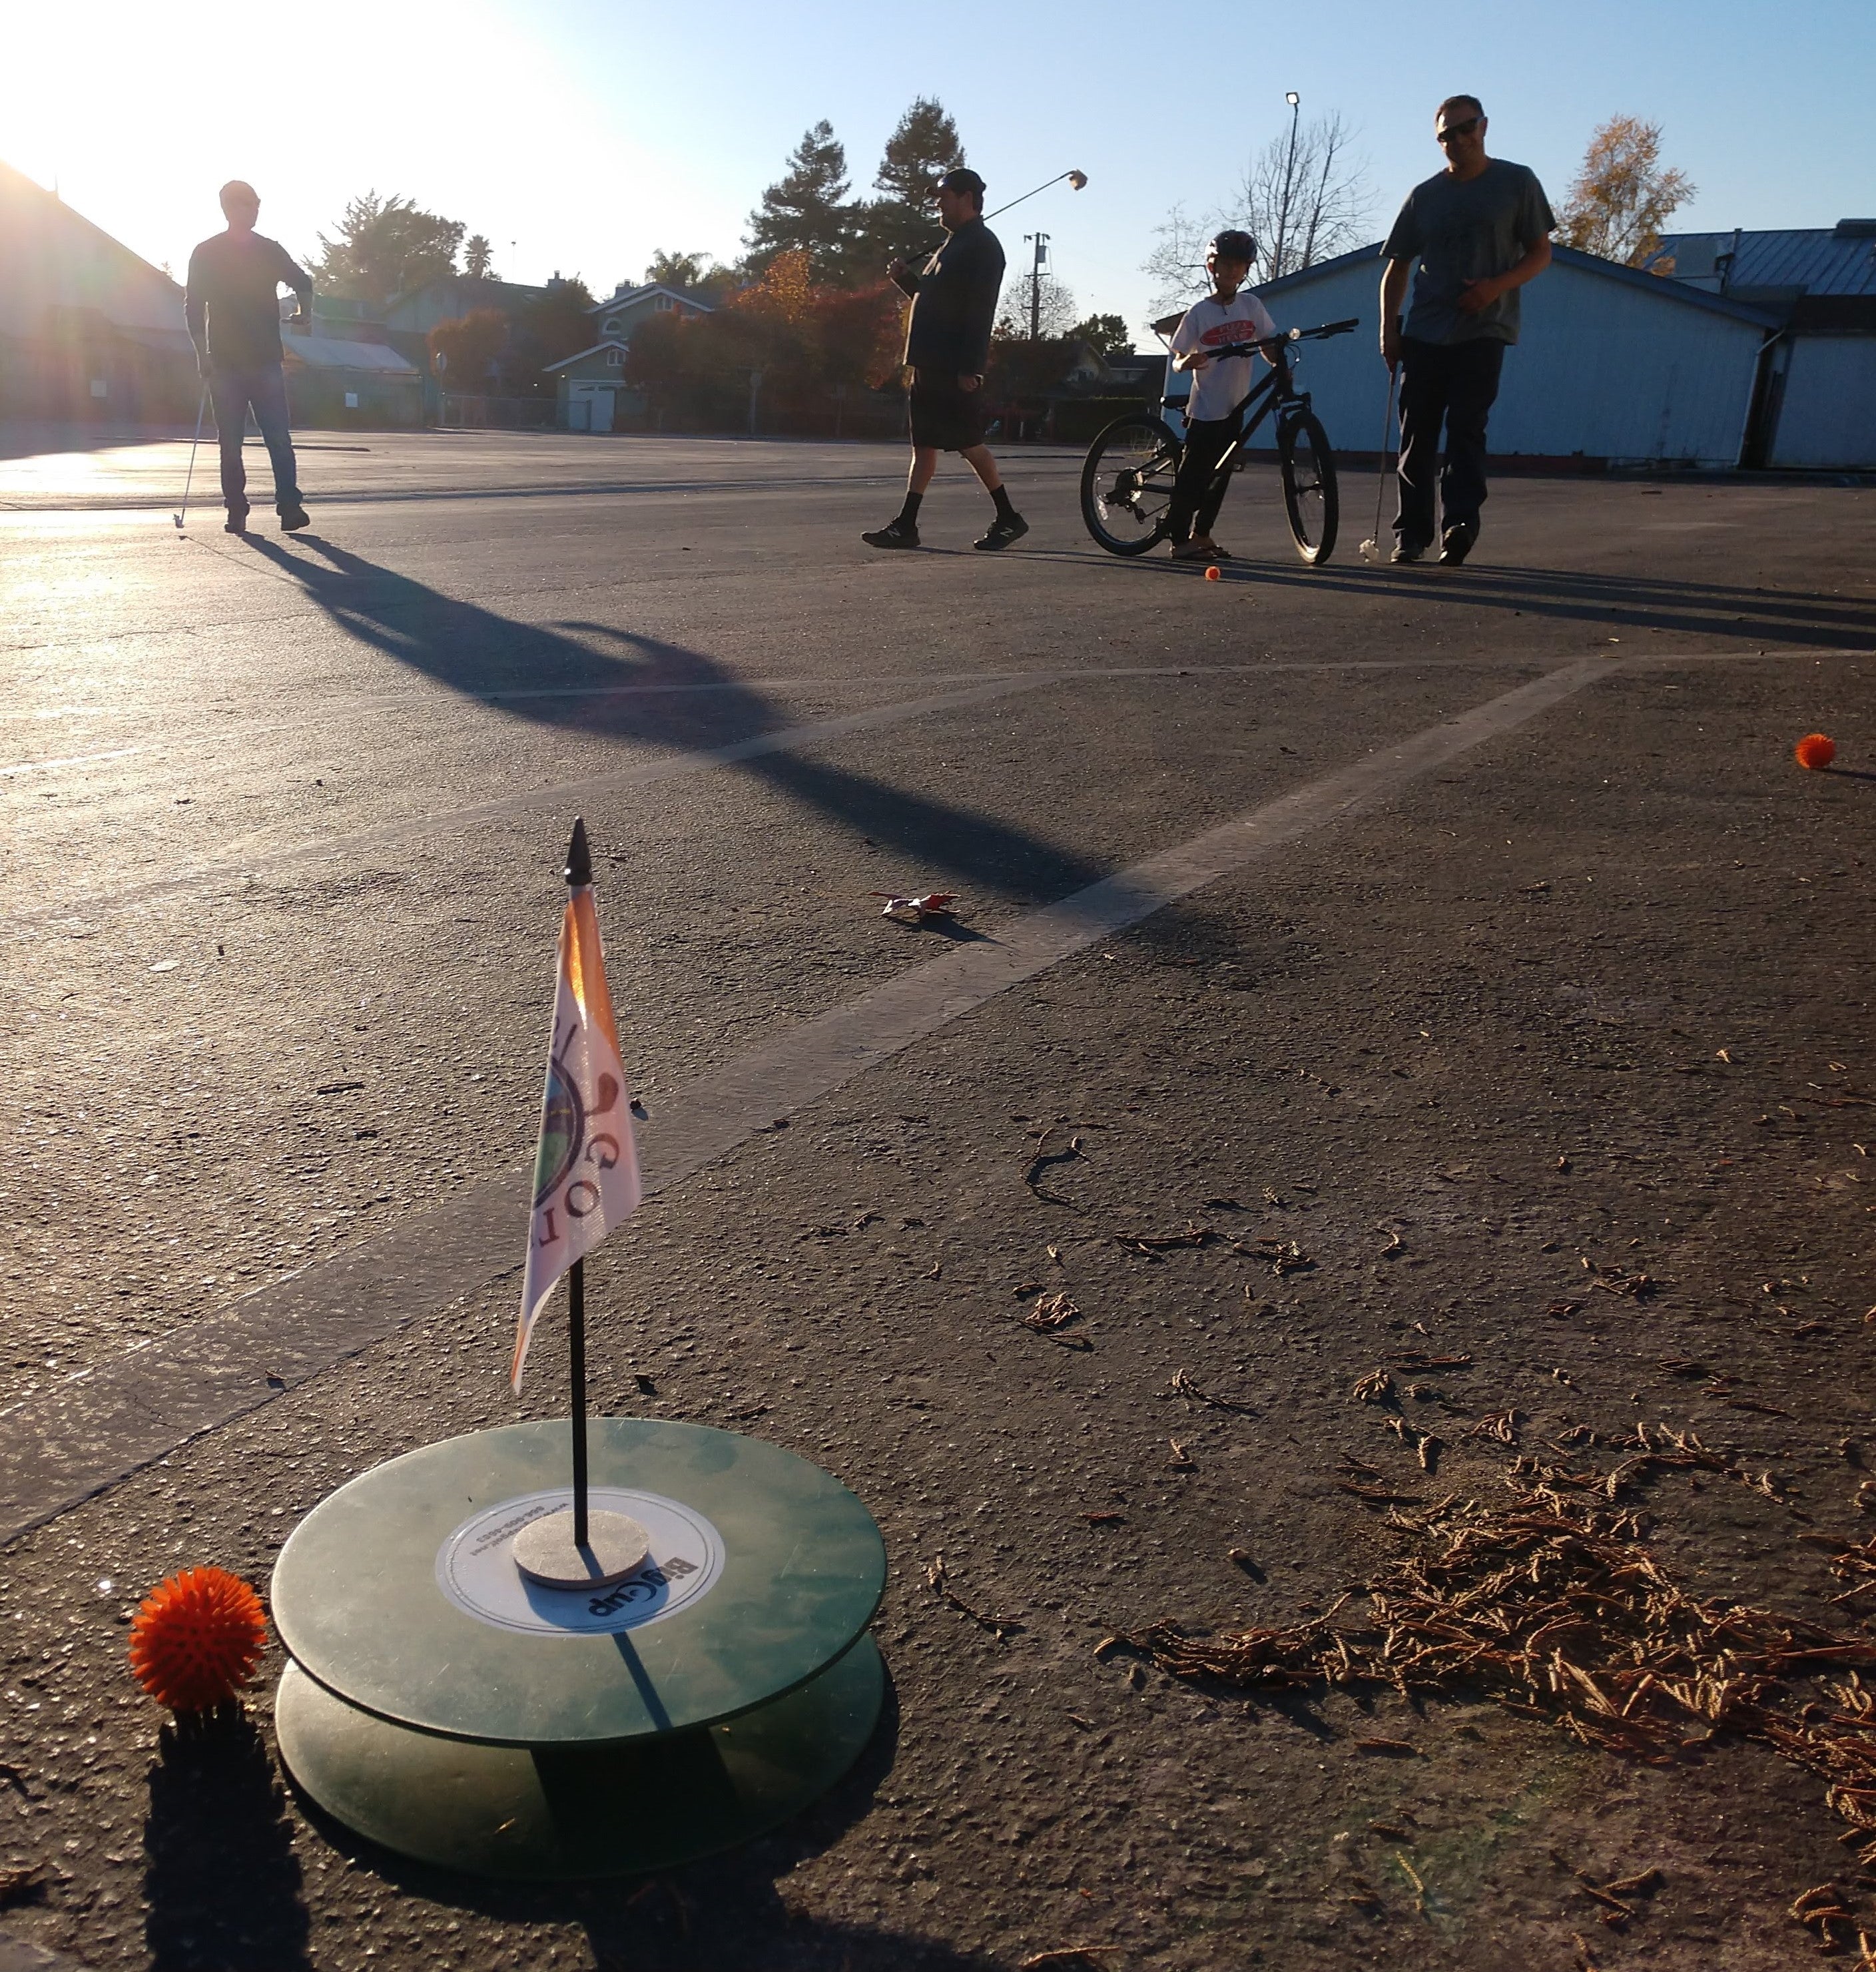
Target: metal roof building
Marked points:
1614	367
1818	407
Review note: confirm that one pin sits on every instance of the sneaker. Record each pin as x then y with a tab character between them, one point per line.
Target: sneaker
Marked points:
294	518
1001	532
1456	542
894	534
1213	551
1407	551
236	523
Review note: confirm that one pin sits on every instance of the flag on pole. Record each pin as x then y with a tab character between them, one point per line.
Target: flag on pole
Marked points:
586	1167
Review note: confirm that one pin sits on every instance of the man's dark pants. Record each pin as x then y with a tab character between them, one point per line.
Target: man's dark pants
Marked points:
1196	498
1453	385
265	388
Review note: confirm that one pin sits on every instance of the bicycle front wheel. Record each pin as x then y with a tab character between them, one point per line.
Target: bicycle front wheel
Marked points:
1310	498
1127	483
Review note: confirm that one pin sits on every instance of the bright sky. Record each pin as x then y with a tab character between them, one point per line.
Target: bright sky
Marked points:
582	137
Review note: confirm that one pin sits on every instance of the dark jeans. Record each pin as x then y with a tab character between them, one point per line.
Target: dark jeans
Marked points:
1453	385
1195	500
232	391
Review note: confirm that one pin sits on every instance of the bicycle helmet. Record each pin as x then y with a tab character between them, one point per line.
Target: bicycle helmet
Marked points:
1234	243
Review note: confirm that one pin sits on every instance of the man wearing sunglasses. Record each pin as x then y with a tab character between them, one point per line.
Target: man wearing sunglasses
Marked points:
1476	233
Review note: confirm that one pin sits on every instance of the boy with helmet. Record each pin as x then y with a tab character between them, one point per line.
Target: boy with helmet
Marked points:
1230	314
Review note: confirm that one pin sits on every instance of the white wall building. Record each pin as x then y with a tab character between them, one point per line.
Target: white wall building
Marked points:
1613	367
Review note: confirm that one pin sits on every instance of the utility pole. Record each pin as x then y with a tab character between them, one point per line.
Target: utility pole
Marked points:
1036	284
1276	268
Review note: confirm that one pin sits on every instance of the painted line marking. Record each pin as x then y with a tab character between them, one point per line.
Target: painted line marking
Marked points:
72	760
100	1429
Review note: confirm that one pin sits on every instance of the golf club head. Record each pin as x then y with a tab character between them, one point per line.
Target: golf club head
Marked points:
1370	551
177	519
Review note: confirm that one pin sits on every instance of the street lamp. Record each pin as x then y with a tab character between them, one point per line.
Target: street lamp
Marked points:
1289	165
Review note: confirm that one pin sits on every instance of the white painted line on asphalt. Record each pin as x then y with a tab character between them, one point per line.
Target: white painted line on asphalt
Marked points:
94	1430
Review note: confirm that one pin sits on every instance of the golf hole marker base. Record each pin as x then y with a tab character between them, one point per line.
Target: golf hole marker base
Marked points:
548	1551
483	1567
442	1703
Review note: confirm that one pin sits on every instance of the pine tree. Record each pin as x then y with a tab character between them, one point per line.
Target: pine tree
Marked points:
806	208
385	248
900	222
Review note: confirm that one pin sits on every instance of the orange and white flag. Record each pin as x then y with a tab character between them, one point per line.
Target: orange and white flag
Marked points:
586	1167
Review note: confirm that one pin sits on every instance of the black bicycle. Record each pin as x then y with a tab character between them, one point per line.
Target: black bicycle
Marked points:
1127	483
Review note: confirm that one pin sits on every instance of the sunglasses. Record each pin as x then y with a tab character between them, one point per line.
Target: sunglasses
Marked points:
1453	130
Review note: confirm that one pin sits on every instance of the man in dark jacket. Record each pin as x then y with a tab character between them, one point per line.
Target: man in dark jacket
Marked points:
232	308
947	347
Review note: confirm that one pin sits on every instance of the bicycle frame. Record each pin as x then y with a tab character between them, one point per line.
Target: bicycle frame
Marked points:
1278	389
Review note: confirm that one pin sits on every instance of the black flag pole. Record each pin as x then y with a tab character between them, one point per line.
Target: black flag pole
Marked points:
586	1548
578	872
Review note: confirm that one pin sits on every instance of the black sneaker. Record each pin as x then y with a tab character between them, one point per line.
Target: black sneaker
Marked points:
1407	551
236	523
894	534
295	518
1456	543
1001	532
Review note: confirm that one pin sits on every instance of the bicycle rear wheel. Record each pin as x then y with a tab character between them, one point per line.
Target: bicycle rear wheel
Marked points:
1310	498
1127	483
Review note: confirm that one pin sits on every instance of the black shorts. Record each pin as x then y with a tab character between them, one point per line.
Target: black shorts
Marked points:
944	415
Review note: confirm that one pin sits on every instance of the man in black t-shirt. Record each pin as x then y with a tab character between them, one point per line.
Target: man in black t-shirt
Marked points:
948	345
232	307
1477	233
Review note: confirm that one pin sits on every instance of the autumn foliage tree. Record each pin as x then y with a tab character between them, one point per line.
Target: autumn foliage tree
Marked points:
805	337
469	347
1622	196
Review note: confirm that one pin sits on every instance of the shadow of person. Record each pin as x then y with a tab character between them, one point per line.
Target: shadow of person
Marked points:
645	692
222	1883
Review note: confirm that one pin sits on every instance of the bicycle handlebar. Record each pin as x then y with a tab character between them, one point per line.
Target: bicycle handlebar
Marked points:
1289	335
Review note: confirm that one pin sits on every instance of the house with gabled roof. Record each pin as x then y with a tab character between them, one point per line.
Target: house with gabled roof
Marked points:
591	391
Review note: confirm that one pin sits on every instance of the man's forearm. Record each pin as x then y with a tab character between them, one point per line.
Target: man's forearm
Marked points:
1394	288
1537	257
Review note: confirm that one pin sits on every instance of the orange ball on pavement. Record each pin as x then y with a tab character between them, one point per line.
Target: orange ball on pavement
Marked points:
1815	750
197	1639
1213	575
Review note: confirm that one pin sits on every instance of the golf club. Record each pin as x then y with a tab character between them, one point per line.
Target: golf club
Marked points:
1076	180
200	408
1371	548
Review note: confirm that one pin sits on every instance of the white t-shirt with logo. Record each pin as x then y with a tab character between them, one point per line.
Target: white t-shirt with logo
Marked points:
1219	388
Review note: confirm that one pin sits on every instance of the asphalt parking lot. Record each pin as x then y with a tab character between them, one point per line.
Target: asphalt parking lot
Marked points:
1447	974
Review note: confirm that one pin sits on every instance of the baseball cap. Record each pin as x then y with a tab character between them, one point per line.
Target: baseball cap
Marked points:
960	178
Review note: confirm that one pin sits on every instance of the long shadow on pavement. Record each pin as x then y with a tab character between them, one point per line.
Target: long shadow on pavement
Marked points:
1750	615
665	697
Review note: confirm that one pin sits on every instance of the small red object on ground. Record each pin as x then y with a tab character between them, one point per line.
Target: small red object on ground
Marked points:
1213	575
1815	750
197	1639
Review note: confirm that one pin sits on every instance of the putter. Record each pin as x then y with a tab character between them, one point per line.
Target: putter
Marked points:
1371	548
200	410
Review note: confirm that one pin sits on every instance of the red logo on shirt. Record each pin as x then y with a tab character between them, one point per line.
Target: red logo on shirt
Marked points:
1242	330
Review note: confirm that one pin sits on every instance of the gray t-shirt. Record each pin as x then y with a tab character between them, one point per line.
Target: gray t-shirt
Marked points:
1461	231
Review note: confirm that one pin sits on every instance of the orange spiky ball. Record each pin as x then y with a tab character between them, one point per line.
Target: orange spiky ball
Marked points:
197	1639
1815	750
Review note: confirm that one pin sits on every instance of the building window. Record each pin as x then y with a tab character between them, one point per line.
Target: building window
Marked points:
613	357
611	328
663	301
